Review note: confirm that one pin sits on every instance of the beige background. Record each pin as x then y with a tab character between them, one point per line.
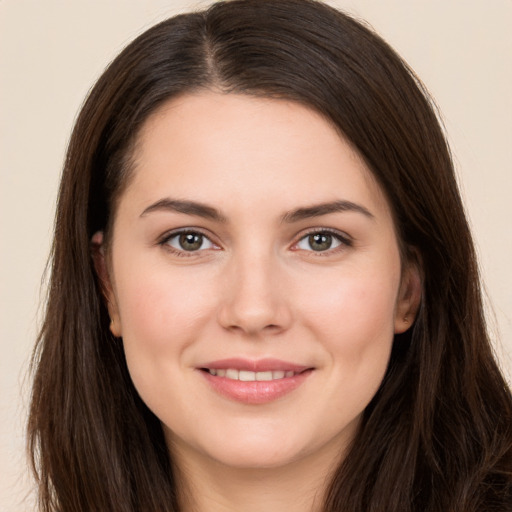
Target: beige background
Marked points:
52	51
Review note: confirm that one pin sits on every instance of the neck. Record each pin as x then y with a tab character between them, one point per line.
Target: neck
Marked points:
210	486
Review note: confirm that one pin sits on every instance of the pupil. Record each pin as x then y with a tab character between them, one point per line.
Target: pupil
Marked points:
191	241
320	241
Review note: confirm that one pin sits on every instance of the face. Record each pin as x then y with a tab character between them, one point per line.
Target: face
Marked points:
255	278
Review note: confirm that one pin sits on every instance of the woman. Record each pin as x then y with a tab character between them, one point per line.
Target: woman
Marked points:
264	291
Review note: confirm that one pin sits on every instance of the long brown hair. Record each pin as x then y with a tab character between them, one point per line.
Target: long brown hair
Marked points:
438	434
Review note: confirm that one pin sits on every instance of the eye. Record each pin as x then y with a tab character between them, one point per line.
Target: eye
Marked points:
188	241
321	241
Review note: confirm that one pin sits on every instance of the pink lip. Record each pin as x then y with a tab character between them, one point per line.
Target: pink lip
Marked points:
255	392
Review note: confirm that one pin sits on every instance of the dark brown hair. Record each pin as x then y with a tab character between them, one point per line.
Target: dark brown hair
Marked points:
437	437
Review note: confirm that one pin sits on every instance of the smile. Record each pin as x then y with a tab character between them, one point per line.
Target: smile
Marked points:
248	376
254	382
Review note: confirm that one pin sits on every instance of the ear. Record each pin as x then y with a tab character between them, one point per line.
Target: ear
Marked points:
102	271
409	297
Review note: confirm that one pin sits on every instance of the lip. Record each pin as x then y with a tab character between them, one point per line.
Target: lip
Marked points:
255	392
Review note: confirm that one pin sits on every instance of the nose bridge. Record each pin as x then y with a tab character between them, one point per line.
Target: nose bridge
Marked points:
253	299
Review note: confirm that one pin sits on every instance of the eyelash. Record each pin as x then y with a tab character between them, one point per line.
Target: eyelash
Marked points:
166	238
344	241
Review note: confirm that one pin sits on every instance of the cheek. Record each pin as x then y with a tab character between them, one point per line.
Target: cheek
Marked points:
353	321
354	313
161	314
360	298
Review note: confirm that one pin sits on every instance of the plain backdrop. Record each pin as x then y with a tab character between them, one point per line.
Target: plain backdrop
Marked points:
52	51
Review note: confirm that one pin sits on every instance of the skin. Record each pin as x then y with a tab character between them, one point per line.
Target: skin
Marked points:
254	289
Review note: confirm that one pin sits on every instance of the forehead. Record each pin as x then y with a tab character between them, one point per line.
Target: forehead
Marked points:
240	149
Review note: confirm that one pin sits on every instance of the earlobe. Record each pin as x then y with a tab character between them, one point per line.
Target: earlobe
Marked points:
102	271
409	298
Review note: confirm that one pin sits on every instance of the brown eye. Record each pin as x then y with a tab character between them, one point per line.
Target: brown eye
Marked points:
189	241
321	241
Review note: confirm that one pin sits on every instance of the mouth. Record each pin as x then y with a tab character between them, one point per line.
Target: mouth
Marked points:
254	382
248	376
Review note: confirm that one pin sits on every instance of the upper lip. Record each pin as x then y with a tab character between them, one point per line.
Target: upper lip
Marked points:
251	365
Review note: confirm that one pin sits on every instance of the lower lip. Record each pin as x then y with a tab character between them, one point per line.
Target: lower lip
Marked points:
255	392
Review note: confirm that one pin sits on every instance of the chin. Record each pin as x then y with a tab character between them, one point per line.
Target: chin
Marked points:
256	457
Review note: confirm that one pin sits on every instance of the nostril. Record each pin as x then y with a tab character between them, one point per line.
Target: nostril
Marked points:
251	314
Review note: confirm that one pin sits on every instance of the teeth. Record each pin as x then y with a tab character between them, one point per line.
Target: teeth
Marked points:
232	374
247	376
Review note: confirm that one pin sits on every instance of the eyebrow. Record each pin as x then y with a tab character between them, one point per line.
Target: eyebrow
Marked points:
208	212
324	209
186	207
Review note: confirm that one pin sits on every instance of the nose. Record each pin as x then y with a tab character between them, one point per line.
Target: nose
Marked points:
254	297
